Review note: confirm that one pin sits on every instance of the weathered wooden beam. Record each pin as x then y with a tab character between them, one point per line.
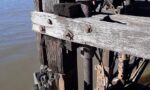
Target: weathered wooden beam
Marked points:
87	54
127	34
68	10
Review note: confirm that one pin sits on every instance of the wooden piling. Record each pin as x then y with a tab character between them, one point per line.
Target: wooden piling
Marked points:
87	54
54	52
40	37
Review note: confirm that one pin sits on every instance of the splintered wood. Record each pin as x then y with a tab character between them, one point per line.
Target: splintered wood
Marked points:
101	79
124	34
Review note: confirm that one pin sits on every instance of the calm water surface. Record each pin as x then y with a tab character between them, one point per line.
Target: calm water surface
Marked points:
16	37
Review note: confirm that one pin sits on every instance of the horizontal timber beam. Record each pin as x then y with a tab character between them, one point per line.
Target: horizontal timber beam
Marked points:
121	33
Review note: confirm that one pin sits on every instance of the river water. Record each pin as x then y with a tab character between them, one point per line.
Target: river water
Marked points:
16	36
18	55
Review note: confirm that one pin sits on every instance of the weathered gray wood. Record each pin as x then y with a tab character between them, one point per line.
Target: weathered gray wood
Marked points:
48	5
41	48
54	54
128	34
68	10
40	37
58	59
37	5
53	48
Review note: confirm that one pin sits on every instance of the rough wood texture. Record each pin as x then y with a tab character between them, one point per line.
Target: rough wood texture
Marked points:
126	34
68	10
58	60
54	53
48	5
62	61
40	37
37	5
41	48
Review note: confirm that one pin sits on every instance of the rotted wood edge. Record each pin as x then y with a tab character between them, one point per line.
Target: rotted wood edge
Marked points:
130	35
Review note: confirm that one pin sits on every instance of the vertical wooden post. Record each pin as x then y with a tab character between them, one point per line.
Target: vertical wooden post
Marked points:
108	62
107	58
40	37
70	66
58	59
87	54
38	5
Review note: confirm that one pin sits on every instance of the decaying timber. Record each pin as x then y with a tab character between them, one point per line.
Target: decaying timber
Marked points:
112	39
127	34
55	54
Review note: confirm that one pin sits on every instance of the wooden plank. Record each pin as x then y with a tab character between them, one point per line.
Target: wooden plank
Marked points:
127	34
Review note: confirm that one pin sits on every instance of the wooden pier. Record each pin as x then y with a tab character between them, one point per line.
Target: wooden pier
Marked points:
120	41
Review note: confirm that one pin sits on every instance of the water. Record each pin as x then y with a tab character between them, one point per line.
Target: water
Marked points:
16	36
18	55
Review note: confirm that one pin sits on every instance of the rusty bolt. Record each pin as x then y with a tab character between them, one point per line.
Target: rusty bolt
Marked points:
42	29
69	35
49	21
89	30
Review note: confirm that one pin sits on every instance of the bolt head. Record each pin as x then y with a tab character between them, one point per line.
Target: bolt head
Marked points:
49	21
42	29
